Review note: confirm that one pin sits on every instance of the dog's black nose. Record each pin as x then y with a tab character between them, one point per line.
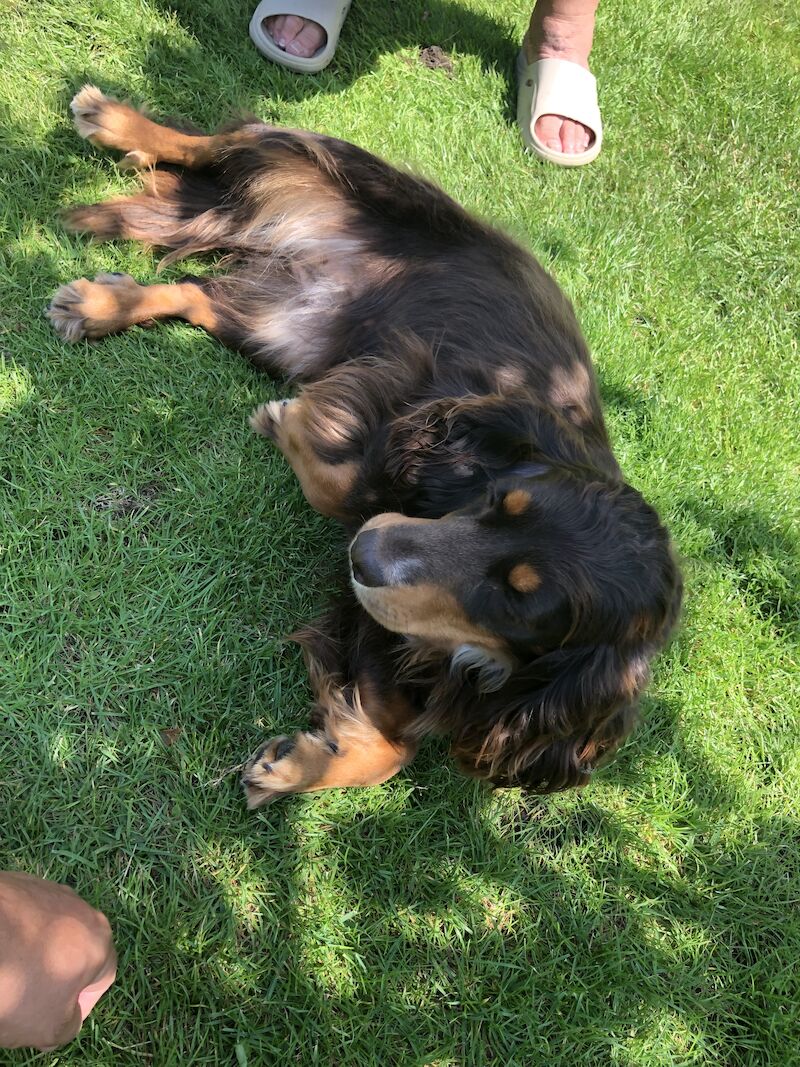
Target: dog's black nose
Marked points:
364	559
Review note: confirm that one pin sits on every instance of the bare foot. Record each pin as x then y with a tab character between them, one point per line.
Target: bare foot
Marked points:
554	35
295	35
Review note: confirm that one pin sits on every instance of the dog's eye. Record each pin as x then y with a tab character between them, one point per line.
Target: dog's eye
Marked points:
493	497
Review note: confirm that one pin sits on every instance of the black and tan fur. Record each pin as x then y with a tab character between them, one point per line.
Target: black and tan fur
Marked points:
508	588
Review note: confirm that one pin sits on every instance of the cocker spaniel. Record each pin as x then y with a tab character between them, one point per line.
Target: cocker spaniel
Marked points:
508	589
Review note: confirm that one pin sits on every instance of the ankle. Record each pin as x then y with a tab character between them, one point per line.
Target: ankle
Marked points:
553	37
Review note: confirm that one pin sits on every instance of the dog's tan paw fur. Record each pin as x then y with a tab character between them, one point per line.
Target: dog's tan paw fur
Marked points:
266	420
110	123
137	160
285	765
86	308
87	107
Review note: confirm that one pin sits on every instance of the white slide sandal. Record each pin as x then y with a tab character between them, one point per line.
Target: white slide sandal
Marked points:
330	14
557	87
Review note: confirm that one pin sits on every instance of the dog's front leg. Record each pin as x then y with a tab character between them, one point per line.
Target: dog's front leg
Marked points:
356	743
326	486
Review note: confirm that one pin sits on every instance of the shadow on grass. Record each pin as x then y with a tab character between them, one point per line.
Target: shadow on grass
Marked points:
371	31
762	557
434	923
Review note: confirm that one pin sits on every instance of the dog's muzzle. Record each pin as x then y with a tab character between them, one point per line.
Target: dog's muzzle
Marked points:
364	560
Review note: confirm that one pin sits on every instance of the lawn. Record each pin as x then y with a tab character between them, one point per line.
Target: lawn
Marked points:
153	553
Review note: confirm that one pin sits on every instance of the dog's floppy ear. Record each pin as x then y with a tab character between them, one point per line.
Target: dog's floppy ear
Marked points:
556	720
452	444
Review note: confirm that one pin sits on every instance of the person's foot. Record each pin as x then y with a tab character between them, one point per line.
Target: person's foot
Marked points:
557	37
296	35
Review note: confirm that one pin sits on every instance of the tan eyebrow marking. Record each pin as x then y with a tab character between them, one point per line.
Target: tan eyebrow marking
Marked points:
524	578
516	501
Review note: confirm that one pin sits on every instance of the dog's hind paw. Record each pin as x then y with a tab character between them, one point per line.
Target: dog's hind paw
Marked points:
91	309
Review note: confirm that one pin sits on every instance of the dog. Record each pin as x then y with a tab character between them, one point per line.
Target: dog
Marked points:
507	588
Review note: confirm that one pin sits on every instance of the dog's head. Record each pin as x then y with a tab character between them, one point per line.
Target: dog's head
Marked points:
551	591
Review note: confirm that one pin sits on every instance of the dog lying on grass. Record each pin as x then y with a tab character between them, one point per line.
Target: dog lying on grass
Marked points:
508	588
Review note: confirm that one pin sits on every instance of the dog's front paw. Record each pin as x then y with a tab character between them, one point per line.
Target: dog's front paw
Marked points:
108	122
267	419
286	765
90	109
91	309
65	312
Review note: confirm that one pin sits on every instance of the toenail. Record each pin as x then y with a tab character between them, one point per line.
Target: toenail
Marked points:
280	42
294	48
554	143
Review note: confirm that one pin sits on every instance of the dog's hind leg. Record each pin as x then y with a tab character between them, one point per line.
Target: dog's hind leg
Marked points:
112	302
108	122
178	211
354	744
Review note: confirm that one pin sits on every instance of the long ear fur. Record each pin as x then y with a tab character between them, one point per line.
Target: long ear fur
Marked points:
452	445
555	720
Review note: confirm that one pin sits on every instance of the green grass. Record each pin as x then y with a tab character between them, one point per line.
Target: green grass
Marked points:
153	553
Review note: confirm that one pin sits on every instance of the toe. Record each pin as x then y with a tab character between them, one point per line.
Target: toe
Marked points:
563	135
65	312
548	131
137	160
295	35
269	751
278	30
575	137
256	794
569	137
283	748
288	28
308	41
